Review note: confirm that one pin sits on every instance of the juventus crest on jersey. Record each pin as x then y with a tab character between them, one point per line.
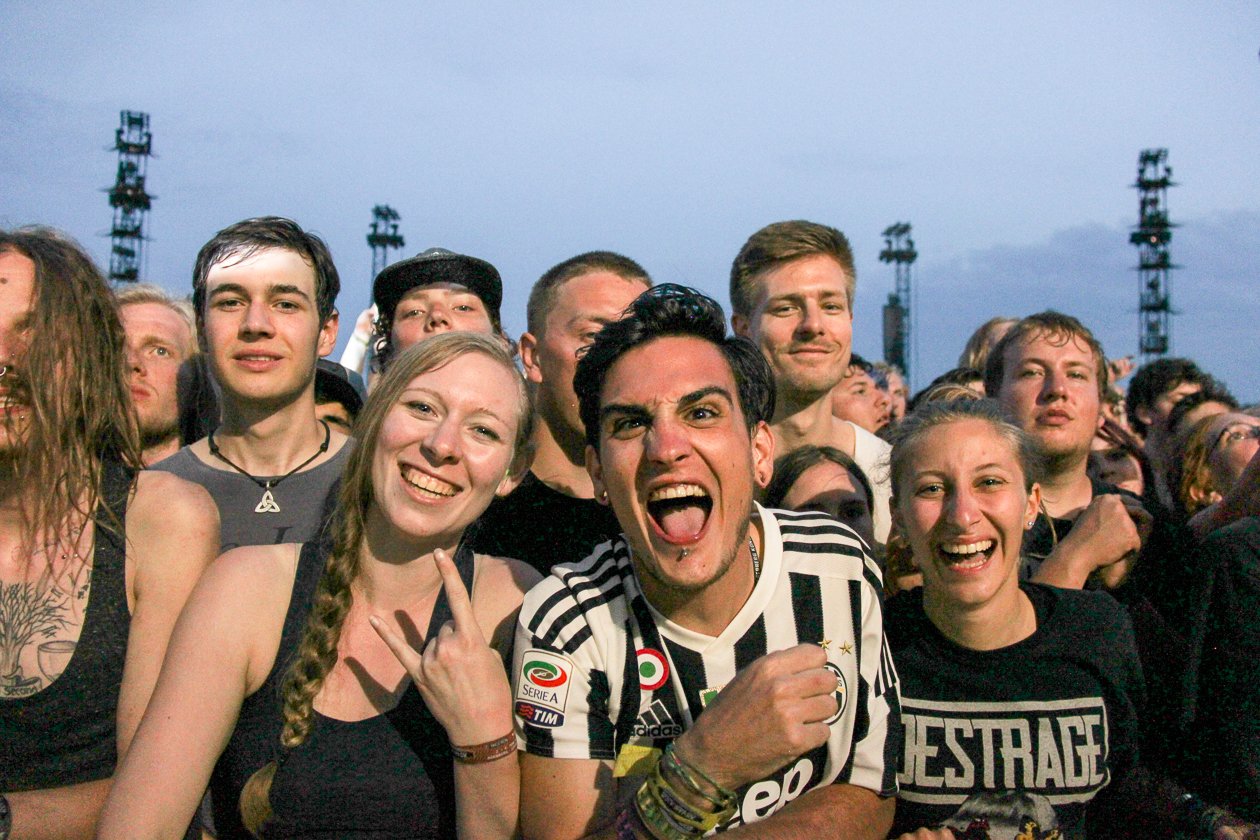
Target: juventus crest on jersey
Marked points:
599	674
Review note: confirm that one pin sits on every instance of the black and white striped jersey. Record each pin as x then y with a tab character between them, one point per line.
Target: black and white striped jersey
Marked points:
599	674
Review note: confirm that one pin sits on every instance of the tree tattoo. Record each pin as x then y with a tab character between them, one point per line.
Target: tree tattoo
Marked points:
27	615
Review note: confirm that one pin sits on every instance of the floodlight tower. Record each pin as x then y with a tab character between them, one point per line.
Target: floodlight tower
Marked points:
1151	236
134	144
898	250
384	236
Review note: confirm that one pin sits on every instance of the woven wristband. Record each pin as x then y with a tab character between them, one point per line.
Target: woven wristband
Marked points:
657	820
687	772
487	752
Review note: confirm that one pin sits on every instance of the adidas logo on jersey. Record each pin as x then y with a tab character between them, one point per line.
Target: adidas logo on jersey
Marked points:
656	723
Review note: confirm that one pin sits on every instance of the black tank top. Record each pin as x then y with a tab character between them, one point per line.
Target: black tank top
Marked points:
382	777
67	733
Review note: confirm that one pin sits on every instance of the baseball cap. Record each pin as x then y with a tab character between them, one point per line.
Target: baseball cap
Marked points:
340	384
438	265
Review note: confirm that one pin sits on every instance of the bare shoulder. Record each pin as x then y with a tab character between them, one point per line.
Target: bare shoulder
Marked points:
165	499
264	571
502	580
236	612
172	535
499	587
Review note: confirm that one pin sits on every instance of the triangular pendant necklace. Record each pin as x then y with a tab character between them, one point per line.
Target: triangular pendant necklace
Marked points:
268	503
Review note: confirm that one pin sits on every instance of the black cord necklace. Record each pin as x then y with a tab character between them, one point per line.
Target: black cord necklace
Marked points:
267	504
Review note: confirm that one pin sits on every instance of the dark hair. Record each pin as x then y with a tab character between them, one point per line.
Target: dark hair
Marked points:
1213	391
928	416
780	243
856	361
1121	438
247	238
1058	329
1153	380
543	296
73	377
959	377
199	411
672	310
790	467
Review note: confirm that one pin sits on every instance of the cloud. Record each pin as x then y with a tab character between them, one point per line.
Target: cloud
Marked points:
1089	271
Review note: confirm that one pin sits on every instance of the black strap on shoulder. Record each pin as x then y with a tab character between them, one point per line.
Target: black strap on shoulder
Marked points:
441	607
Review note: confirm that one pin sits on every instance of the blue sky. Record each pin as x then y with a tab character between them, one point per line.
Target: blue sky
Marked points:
1006	133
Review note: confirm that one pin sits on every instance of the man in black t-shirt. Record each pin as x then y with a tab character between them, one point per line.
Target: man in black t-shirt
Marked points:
552	517
1049	374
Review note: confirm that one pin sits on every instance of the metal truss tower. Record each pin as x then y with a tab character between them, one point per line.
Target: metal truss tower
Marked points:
1151	236
384	236
898	250
134	144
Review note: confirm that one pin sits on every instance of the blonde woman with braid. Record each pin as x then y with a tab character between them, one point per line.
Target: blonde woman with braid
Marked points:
355	688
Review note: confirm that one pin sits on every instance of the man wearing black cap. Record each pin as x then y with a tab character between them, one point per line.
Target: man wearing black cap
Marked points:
433	292
339	394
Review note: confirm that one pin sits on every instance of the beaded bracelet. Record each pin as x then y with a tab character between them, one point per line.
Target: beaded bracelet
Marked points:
487	752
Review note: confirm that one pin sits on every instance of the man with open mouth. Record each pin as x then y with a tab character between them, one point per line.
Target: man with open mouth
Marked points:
717	664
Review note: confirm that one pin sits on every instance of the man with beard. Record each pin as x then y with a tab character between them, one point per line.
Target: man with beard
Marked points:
160	337
718	664
96	557
792	287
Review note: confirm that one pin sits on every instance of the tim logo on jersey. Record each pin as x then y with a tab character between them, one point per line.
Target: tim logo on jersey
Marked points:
1056	749
543	688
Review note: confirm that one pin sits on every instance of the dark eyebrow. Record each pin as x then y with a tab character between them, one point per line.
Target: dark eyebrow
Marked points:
227	288
287	289
698	395
272	290
611	409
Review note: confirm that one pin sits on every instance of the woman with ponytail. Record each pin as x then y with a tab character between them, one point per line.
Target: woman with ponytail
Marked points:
356	686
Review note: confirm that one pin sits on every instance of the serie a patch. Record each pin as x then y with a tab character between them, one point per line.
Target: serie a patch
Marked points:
542	691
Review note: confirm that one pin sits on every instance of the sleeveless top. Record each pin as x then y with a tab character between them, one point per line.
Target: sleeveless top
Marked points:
388	776
67	733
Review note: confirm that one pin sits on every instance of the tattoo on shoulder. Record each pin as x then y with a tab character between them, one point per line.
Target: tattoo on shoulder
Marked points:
33	617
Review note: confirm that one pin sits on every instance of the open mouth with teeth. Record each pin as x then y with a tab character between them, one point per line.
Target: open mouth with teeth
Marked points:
14	401
427	486
679	512
966	557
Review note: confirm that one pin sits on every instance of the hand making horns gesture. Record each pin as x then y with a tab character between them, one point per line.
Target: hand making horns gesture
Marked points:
461	679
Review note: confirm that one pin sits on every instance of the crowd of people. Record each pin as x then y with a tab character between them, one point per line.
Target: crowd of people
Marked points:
648	570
